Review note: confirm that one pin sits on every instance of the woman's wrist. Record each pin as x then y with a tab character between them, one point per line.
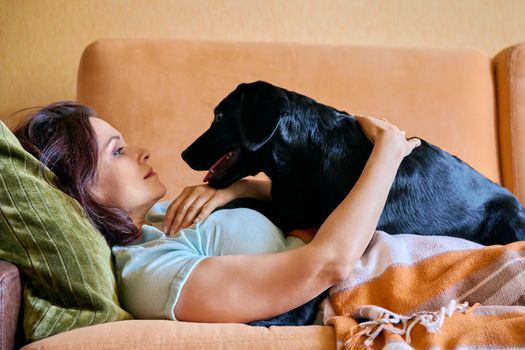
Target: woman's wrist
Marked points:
257	189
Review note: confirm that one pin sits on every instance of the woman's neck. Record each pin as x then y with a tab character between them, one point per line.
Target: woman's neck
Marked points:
139	222
138	218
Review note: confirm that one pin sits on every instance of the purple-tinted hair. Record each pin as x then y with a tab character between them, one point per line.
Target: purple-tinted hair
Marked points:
61	137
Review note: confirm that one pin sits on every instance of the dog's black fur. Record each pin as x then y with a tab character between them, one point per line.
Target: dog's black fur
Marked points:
314	154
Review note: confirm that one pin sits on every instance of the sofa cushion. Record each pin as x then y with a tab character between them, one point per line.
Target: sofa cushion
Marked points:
163	334
9	303
65	261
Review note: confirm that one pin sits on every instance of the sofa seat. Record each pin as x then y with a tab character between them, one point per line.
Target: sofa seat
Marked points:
163	334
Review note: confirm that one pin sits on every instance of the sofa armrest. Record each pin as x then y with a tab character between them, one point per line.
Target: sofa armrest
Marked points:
509	69
10	296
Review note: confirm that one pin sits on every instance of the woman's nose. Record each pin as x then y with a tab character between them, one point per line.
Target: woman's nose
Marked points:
144	155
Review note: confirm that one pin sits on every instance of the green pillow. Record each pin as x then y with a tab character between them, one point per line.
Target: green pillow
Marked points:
66	263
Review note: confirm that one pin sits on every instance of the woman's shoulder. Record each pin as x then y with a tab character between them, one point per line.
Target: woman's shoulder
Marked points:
148	233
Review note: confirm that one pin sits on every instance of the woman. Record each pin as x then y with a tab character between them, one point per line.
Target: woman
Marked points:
231	266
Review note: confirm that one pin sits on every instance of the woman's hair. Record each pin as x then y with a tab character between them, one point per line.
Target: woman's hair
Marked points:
61	137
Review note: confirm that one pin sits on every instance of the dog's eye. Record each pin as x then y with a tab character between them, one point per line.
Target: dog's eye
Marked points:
218	116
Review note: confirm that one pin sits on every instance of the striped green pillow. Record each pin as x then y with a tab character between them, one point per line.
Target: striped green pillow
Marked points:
66	263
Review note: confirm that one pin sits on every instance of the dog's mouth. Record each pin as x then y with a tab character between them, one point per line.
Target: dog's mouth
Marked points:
221	166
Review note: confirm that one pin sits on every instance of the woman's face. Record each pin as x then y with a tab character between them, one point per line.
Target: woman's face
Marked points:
124	177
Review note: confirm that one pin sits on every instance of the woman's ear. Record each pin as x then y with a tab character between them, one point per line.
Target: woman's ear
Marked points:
262	107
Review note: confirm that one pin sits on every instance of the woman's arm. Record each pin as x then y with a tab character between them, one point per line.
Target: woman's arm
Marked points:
243	288
195	203
258	187
346	232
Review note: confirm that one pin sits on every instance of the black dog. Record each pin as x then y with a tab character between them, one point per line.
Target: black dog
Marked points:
314	154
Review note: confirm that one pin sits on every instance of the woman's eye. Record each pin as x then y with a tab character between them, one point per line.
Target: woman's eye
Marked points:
118	152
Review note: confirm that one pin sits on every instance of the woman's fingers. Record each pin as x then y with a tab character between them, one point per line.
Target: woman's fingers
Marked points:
171	212
178	208
183	211
216	201
187	215
204	206
373	128
413	143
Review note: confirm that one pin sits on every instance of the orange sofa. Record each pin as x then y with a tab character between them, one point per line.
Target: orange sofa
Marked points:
161	93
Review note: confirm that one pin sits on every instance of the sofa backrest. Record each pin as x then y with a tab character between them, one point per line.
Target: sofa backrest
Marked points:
161	93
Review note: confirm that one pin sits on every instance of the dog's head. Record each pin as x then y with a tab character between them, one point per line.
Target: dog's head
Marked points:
244	122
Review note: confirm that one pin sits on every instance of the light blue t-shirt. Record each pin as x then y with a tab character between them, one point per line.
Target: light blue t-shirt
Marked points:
152	270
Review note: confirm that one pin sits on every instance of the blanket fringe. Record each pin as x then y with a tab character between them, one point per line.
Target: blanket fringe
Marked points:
386	320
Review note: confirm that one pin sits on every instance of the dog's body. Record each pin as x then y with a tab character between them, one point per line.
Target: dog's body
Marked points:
314	154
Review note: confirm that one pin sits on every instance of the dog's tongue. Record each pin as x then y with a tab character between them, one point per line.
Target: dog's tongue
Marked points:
215	166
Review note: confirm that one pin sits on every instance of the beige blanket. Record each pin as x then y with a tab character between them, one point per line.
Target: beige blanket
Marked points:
427	292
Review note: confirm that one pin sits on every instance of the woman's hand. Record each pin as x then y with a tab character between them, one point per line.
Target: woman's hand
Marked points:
377	130
192	205
195	203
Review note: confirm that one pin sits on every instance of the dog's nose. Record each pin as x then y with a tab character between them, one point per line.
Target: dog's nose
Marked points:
184	155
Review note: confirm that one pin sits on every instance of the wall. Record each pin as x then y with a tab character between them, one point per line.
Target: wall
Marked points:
41	41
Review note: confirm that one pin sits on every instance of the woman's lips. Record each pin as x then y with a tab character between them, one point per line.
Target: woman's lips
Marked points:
150	173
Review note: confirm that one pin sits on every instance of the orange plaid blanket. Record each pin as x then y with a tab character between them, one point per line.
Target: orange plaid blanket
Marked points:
423	292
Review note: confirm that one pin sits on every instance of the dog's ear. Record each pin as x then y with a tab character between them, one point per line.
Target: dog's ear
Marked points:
262	107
